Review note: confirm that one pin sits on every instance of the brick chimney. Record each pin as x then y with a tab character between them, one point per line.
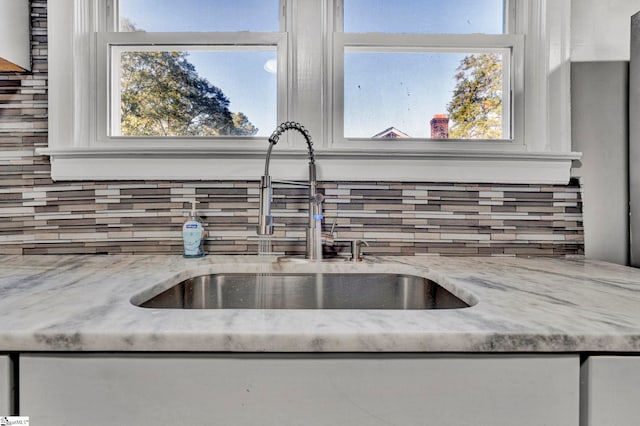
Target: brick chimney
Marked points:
440	126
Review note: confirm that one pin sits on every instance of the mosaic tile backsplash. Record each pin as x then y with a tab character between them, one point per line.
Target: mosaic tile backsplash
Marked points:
38	216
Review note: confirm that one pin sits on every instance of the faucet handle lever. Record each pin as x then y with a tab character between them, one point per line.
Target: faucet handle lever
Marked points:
356	255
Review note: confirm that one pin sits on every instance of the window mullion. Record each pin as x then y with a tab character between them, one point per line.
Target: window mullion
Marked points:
113	115
307	67
110	15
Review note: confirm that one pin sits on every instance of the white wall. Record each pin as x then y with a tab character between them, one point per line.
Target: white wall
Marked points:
600	46
600	29
14	34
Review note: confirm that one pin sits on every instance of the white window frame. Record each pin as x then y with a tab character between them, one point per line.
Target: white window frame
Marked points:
106	120
541	154
401	43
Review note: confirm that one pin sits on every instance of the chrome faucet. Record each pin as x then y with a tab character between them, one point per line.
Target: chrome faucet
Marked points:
265	219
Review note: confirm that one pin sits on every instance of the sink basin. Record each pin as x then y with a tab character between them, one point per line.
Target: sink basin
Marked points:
305	291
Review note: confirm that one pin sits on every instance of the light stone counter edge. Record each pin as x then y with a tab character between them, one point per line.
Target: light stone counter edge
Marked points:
83	303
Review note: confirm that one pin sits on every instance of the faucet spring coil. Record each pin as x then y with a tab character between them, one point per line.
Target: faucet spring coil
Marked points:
292	125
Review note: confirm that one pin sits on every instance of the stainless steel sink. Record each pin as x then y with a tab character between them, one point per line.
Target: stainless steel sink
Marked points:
305	291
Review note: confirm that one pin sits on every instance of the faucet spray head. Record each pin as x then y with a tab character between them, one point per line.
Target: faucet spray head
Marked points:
265	220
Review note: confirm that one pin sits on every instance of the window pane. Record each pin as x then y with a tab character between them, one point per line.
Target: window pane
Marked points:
196	93
198	15
424	95
424	16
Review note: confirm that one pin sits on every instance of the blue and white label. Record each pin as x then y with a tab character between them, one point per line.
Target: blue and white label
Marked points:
192	233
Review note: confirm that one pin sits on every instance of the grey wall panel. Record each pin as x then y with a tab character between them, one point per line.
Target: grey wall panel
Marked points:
634	140
599	126
246	389
6	397
609	391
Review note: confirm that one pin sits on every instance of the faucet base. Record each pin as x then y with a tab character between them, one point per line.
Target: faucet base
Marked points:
302	260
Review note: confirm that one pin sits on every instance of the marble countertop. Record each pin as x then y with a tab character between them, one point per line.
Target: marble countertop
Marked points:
83	303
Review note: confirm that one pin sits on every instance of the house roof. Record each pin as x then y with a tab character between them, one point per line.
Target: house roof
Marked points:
391	133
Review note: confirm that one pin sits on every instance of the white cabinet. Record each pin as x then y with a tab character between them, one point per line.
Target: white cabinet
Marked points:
5	386
610	393
296	389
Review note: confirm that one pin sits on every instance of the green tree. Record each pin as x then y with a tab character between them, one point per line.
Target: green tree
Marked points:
476	106
163	95
242	125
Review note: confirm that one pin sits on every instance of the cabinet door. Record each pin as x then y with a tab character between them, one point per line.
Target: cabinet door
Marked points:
5	386
300	390
610	394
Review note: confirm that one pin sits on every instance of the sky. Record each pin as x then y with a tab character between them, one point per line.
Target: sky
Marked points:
403	90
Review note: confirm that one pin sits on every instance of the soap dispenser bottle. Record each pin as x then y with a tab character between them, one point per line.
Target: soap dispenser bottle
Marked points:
193	234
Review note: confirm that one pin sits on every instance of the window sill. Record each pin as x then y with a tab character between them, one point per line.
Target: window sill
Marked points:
335	165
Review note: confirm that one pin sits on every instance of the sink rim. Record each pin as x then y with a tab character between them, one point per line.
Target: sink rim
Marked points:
148	293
